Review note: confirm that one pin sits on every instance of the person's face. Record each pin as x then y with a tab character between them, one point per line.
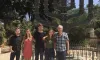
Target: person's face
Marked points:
51	32
28	31
60	29
40	28
17	31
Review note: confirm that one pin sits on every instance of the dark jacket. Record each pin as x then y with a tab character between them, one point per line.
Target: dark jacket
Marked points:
15	42
38	38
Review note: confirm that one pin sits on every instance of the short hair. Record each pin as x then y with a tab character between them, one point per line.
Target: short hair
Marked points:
40	24
60	26
17	28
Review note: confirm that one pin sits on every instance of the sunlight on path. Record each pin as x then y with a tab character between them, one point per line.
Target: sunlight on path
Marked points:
5	56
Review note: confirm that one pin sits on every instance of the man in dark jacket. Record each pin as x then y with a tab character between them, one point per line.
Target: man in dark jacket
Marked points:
15	45
39	46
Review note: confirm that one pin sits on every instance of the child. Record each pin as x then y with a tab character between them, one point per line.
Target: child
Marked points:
49	45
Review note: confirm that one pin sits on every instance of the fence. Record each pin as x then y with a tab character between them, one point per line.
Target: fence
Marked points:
83	53
87	52
80	52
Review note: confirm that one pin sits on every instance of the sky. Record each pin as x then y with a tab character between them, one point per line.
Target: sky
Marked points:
85	2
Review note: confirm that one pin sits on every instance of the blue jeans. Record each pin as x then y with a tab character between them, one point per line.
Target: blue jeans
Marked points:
13	54
37	52
61	55
49	54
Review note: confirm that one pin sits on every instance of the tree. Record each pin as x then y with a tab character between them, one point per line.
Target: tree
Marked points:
90	9
72	3
81	6
50	6
63	6
16	9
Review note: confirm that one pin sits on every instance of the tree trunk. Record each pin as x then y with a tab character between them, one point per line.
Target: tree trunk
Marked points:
90	9
50	5
63	2
73	4
81	6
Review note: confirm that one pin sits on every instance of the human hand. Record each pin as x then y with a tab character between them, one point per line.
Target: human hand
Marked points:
11	50
67	52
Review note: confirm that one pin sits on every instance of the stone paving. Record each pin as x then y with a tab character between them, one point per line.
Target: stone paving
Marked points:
5	56
74	55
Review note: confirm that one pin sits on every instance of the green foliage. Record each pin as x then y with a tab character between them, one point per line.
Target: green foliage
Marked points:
16	10
2	34
26	25
16	23
23	26
36	22
97	32
78	20
72	11
77	35
56	21
97	24
12	26
97	12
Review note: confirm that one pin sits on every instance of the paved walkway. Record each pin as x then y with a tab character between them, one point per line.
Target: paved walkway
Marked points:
5	56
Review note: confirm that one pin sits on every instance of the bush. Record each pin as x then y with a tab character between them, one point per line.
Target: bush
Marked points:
72	11
82	19
2	34
10	28
97	24
26	25
97	32
77	36
16	23
56	21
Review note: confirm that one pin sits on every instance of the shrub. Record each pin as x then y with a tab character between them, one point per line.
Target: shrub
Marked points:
26	25
56	21
77	36
82	19
16	23
10	28
97	32
97	24
2	34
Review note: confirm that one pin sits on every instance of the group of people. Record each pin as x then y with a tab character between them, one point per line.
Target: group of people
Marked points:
46	44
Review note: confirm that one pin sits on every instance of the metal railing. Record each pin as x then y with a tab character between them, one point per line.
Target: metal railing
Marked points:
90	51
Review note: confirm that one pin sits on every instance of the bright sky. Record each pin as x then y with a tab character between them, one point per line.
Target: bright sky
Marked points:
85	2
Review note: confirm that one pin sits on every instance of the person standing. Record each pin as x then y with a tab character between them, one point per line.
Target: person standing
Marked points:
39	43
15	45
27	48
61	43
49	45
